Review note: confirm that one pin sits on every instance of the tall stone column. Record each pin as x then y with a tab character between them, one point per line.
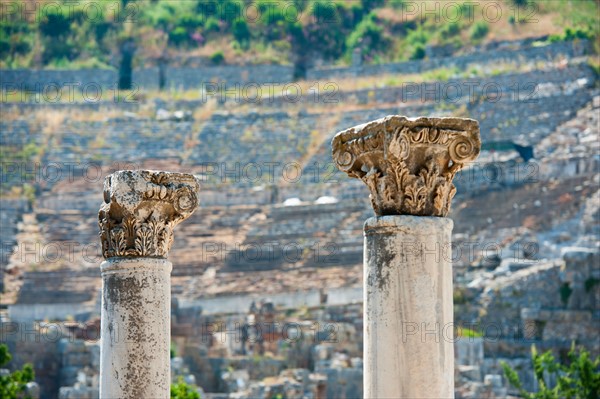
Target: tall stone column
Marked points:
140	211
408	165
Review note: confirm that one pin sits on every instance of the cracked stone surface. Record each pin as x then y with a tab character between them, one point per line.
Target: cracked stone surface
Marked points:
141	209
408	164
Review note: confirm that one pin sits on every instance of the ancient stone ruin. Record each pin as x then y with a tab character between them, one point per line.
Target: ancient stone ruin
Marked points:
524	244
141	209
408	164
137	219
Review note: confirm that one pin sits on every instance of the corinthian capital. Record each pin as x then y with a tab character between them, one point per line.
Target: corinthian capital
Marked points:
408	164
140	210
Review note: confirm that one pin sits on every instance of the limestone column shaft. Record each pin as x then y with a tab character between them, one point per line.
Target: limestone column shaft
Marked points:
408	325
140	211
408	166
135	328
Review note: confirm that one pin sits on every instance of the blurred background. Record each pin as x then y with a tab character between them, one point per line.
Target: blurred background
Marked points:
247	95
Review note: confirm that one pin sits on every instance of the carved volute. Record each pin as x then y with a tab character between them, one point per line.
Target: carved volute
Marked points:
408	164
141	209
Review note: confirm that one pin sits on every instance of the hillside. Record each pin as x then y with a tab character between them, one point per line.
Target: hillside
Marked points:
304	33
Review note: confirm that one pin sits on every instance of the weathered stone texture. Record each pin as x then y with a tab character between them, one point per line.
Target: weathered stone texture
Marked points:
140	210
408	164
135	328
408	348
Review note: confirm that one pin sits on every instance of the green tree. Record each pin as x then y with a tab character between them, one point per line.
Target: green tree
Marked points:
241	32
580	379
181	390
55	24
13	385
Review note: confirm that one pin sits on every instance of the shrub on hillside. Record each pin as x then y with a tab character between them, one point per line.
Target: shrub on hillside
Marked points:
577	33
398	4
369	35
418	52
479	30
178	36
58	50
449	30
324	33
520	3
181	390
212	25
417	36
217	58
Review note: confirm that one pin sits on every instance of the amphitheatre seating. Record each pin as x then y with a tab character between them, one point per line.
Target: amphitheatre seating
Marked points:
59	286
236	141
210	252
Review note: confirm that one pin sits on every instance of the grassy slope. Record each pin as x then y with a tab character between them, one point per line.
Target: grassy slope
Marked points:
389	32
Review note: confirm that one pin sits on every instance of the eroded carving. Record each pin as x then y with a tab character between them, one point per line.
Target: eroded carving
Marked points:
408	164
141	209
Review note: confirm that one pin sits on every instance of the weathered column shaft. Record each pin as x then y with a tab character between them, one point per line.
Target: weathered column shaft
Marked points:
408	330
136	328
140	211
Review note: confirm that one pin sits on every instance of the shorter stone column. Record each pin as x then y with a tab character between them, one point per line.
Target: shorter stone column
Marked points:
408	165
140	210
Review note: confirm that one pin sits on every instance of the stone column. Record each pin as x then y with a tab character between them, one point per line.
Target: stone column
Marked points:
140	210
408	166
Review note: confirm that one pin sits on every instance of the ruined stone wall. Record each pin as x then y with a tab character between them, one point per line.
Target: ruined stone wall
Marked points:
292	300
192	78
146	78
548	301
497	175
546	53
240	303
183	78
60	294
50	311
47	81
503	299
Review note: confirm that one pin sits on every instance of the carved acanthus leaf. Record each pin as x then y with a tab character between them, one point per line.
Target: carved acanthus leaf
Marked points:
140	210
408	164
